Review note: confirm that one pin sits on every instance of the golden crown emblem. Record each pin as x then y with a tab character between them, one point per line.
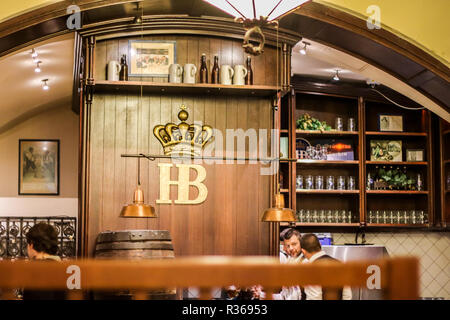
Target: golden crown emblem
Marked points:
185	139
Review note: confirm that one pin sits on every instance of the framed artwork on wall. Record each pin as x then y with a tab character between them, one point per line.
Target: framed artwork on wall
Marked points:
414	155
386	150
150	58
38	167
389	122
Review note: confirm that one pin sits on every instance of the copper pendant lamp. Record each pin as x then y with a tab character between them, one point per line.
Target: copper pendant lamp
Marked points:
138	209
279	213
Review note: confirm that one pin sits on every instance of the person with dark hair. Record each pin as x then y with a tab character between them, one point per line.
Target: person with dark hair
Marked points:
291	242
42	240
312	250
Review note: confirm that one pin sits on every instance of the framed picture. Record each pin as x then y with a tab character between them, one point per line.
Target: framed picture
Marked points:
414	155
38	167
388	122
386	150
150	58
284	147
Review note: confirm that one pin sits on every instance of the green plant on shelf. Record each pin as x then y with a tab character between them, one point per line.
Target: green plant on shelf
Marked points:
306	122
394	179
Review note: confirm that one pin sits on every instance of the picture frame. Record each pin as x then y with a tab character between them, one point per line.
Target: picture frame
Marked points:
150	58
38	167
386	150
414	155
390	123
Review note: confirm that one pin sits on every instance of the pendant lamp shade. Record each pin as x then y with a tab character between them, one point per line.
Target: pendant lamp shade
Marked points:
279	213
138	209
254	9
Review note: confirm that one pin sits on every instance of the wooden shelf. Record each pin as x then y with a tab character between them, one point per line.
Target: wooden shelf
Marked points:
398	134
446	132
312	224
185	88
326	162
284	190
314	191
284	131
403	163
446	161
326	133
403	192
397	225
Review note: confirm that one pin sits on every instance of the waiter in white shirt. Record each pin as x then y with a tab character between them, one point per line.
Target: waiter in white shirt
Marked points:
312	251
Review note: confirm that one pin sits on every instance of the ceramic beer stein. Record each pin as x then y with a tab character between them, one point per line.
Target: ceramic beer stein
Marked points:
226	74
175	73
239	74
189	73
113	70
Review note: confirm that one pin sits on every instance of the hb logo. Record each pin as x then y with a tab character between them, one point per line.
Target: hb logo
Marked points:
183	183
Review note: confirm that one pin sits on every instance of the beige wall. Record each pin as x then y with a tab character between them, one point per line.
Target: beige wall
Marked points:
57	123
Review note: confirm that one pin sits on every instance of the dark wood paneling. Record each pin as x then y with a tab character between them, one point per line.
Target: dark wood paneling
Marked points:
228	222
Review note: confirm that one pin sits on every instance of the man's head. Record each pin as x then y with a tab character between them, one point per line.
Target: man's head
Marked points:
310	245
42	238
292	242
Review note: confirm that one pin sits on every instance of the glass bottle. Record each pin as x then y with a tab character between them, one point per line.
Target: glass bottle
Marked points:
123	74
215	70
203	70
369	182
419	182
249	76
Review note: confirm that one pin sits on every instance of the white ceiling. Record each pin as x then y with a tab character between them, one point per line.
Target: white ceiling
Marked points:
21	93
311	64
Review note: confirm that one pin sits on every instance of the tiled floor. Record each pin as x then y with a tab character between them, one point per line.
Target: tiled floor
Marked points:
433	250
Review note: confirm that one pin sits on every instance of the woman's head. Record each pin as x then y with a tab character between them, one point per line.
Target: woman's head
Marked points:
42	238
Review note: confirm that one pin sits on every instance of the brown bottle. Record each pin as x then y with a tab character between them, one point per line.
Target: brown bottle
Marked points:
123	75
215	70
249	76
203	70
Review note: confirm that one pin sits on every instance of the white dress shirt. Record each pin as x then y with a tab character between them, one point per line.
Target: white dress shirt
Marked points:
315	292
292	293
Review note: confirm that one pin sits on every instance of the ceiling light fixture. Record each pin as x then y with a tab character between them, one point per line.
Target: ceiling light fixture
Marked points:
303	50
256	14
38	68
138	17
45	85
336	76
33	53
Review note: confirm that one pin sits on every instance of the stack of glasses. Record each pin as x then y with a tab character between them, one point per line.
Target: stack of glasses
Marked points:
397	217
317	183
324	216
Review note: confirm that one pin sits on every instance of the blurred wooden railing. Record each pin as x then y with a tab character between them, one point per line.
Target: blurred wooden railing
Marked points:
399	276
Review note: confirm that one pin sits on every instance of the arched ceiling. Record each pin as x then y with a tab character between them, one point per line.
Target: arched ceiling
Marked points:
21	93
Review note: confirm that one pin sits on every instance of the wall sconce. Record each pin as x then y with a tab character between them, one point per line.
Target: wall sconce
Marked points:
254	15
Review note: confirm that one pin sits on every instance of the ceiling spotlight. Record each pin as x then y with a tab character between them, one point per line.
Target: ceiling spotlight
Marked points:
138	17
33	53
303	50
38	68
45	85
336	76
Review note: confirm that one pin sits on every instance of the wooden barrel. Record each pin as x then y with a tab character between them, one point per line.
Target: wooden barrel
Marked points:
135	245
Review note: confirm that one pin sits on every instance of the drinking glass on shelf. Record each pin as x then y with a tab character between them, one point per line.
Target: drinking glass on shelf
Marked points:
314	216
307	216
339	124
343	216
420	217
351	183
322	217
349	216
351	124
337	218
310	152
384	218
324	153
378	216
330	217
399	217
370	217
341	183
330	183
319	182
413	217
299	182
309	182
392	217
